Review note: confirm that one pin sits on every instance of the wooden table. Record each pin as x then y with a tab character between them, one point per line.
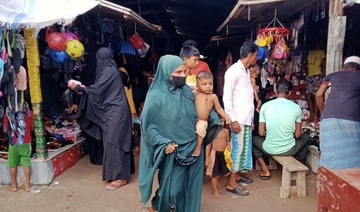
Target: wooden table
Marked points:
338	190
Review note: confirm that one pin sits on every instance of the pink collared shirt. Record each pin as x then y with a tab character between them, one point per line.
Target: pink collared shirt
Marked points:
238	94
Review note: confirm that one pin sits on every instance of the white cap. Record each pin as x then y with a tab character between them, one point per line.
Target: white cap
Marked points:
352	59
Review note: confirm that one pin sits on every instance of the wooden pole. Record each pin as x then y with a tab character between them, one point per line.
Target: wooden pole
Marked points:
33	63
336	36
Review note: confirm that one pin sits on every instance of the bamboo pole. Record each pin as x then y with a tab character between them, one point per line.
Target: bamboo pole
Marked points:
33	63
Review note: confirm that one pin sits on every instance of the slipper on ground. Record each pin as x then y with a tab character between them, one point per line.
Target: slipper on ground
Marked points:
114	186
244	179
238	191
258	174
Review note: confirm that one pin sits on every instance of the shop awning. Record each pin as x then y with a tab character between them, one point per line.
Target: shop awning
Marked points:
126	14
42	13
249	15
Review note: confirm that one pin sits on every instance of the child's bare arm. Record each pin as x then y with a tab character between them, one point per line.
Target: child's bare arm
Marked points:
220	110
256	95
256	92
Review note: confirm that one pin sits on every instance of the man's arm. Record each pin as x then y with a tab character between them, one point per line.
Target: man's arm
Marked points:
297	132
220	110
262	128
229	86
320	95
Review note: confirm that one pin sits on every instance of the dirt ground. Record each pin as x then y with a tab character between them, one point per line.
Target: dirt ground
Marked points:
80	189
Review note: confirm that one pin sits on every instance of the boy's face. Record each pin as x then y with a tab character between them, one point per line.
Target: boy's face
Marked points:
254	71
191	62
205	85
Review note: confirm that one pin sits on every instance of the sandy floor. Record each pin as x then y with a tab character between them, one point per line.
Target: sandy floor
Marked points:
81	189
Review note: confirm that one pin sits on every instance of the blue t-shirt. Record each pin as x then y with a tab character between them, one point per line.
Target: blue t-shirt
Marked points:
279	116
343	101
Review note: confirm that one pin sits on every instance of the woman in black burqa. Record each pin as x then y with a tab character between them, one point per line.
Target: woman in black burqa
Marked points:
104	113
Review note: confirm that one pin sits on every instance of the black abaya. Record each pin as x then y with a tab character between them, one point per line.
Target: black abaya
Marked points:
106	109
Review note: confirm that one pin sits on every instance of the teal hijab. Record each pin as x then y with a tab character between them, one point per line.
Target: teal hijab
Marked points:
169	115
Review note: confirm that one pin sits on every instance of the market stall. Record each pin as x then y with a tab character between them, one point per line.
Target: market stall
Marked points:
53	42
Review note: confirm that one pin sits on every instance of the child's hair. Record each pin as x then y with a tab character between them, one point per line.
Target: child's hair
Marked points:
258	64
204	75
188	51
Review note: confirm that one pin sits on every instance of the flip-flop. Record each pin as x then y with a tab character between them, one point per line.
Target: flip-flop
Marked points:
258	174
244	179
114	186
238	191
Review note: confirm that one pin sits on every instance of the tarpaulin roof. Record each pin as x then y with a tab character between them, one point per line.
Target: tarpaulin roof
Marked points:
41	13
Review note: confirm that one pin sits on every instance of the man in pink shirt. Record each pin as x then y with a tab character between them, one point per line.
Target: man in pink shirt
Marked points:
239	106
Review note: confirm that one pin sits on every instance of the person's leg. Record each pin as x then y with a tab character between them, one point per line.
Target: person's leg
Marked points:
302	146
299	150
25	153
232	180
13	161
27	173
201	126
258	152
264	169
310	106
215	186
197	149
13	175
236	150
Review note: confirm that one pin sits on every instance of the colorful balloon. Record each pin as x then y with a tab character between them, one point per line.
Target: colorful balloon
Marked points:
56	41
59	56
74	48
70	36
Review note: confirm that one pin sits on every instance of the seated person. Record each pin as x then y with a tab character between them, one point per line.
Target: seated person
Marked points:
280	123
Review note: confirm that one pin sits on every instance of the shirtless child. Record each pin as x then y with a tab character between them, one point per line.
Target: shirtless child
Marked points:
205	101
254	73
215	161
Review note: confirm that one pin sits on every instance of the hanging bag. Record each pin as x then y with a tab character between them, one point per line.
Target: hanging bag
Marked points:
136	40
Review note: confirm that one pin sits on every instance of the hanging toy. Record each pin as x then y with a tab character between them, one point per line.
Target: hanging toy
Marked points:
56	41
59	56
74	48
70	36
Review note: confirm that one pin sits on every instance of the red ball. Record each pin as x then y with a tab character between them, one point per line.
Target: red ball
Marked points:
56	41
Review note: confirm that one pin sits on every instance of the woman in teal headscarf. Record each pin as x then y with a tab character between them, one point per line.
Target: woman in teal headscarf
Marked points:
168	140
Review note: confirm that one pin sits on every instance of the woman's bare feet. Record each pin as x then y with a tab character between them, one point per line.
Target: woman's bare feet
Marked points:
12	188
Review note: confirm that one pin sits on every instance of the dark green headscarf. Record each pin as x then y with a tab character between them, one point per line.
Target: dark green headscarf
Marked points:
169	115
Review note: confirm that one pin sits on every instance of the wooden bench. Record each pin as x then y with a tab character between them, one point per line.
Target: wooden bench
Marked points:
292	170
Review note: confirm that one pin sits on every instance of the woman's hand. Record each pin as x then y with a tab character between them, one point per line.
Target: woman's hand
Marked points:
73	83
72	109
170	148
